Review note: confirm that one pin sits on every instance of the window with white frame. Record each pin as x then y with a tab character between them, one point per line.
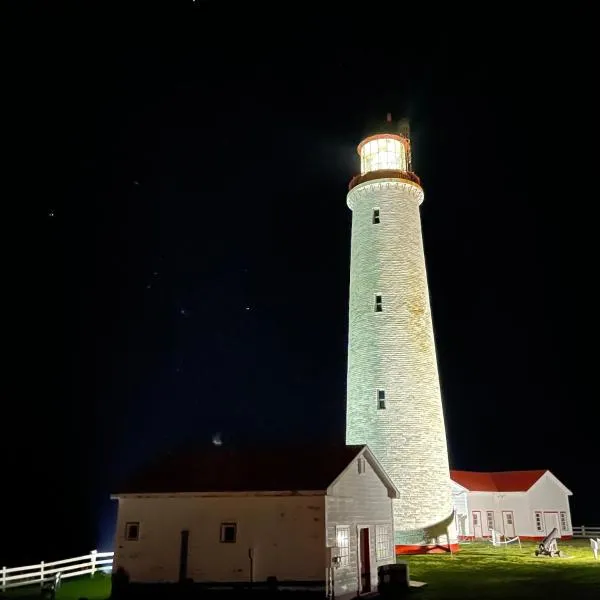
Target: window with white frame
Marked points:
382	540
539	524
564	521
342	540
490	519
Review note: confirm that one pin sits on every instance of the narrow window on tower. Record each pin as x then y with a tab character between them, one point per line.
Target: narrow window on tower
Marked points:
375	216
380	399
378	303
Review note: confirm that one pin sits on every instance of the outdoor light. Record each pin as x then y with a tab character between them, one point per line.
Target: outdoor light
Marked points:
383	151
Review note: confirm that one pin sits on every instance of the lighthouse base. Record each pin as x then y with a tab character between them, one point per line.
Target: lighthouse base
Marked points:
403	549
432	539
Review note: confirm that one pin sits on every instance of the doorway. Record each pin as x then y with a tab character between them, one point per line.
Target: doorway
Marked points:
508	520
365	560
551	521
183	555
477	528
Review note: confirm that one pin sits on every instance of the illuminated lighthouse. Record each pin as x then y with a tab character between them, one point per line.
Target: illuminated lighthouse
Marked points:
394	401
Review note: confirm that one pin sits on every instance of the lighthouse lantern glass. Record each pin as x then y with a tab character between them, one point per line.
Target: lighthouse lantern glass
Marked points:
383	153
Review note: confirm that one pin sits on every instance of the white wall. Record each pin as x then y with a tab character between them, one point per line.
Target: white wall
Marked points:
497	502
545	496
359	499
548	496
286	532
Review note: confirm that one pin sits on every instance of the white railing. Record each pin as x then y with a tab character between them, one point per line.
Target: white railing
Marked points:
44	572
585	531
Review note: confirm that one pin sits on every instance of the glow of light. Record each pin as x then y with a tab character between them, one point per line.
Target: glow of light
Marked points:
383	153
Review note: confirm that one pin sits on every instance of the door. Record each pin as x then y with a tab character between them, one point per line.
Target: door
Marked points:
183	555
551	521
508	519
477	530
365	560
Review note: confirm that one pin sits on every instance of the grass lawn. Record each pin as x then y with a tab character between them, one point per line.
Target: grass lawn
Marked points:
481	571
92	588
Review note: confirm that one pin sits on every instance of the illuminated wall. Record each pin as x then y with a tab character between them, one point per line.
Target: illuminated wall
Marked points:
391	350
383	153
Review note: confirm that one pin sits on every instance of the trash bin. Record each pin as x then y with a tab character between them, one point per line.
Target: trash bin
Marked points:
393	579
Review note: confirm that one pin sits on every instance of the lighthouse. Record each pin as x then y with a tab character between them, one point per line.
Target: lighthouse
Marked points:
394	400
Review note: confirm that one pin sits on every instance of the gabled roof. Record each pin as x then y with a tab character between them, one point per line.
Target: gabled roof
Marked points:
245	469
499	481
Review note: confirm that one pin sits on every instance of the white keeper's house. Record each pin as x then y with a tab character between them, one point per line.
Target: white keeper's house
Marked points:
311	517
528	504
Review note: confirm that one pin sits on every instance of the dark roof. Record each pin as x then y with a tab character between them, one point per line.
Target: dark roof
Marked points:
250	469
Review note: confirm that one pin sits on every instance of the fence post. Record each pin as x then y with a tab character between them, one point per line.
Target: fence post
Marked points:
42	574
583	531
3	578
93	554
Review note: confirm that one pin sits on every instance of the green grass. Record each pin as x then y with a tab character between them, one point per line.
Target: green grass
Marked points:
481	571
92	588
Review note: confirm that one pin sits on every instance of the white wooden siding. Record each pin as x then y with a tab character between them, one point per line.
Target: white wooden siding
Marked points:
358	500
545	496
548	496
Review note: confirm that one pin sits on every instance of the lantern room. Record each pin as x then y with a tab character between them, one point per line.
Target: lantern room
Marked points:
384	151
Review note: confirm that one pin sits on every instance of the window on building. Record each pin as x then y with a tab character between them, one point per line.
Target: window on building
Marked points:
382	540
361	465
564	522
228	533
342	540
490	519
375	216
539	524
378	303
509	518
132	531
380	399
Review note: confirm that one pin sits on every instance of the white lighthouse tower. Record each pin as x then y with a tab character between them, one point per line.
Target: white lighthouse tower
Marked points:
393	394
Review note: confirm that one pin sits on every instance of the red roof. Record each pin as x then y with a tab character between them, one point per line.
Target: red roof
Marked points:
250	469
500	481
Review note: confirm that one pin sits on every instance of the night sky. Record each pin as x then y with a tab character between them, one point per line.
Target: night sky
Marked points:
179	261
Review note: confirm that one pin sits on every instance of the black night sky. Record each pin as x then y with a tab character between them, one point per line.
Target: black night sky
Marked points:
180	259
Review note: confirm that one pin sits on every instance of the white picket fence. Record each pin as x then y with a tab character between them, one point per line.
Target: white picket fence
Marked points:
584	531
44	572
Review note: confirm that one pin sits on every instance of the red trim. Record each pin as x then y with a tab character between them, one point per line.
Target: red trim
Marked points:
426	549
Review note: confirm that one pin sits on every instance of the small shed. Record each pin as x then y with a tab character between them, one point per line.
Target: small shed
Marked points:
306	517
528	504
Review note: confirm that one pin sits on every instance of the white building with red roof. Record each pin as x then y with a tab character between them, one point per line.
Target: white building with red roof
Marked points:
528	504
